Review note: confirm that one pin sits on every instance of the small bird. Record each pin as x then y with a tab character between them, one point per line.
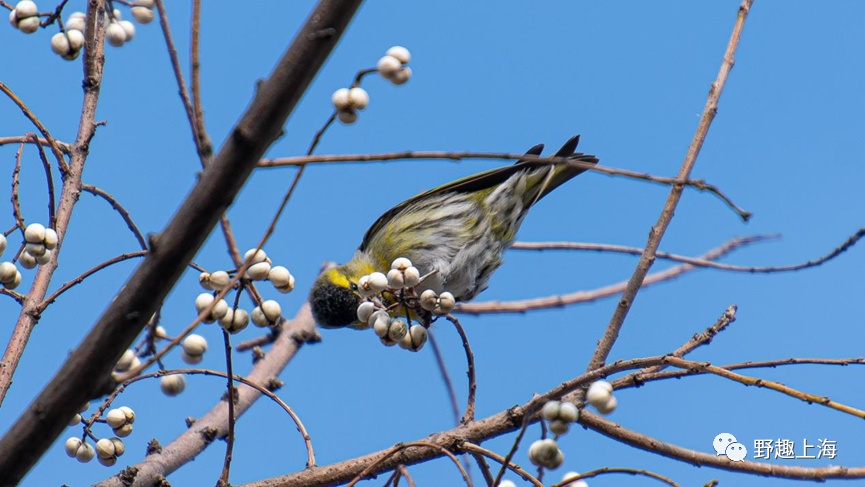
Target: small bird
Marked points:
454	234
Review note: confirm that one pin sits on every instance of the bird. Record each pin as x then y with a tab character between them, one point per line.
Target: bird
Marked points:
454	234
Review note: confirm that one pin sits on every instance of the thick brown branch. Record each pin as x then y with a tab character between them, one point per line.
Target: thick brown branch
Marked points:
87	371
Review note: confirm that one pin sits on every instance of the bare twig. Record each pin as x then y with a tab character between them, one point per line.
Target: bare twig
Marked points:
458	156
469	414
693	457
55	148
850	242
446	378
522	306
229	397
64	147
178	73
415	444
764	383
16	182
473	448
49	178
700	339
639	378
202	143
611	334
123	212
608	470
84	275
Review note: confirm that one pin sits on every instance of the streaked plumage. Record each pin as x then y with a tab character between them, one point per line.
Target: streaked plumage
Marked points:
459	230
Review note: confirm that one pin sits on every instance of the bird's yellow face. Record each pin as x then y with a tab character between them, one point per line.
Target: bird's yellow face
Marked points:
334	298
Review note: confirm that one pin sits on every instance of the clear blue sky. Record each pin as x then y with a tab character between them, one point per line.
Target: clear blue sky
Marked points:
631	77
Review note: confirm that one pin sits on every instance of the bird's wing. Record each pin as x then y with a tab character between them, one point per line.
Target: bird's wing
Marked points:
478	182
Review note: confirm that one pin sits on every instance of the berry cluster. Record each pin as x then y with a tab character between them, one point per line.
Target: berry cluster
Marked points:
107	449
236	319
395	292
546	452
39	245
70	40
391	67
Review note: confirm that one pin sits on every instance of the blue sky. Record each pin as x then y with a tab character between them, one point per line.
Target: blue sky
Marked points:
631	77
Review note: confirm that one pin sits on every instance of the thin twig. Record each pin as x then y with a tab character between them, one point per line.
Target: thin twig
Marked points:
84	275
697	184
521	306
611	334
64	147
700	339
123	212
230	397
850	242
16	182
764	383
640	378
178	71
608	470
203	144
449	387
49	179
624	435
208	372
469	414
446	378
506	463
415	444
55	149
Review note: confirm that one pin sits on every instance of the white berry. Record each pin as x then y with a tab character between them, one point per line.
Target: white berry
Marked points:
128	28
599	392
172	385
259	271
76	21
346	116
60	43
7	272
341	99
142	15
254	256
194	345
400	53
569	412
50	240
72	445
359	98
85	453
26	260
388	66
411	276
377	282
115	418
115	34
34	233
550	411
401	77
105	448
609	406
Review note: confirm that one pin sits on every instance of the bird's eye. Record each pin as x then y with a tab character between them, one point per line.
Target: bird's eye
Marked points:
352	286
